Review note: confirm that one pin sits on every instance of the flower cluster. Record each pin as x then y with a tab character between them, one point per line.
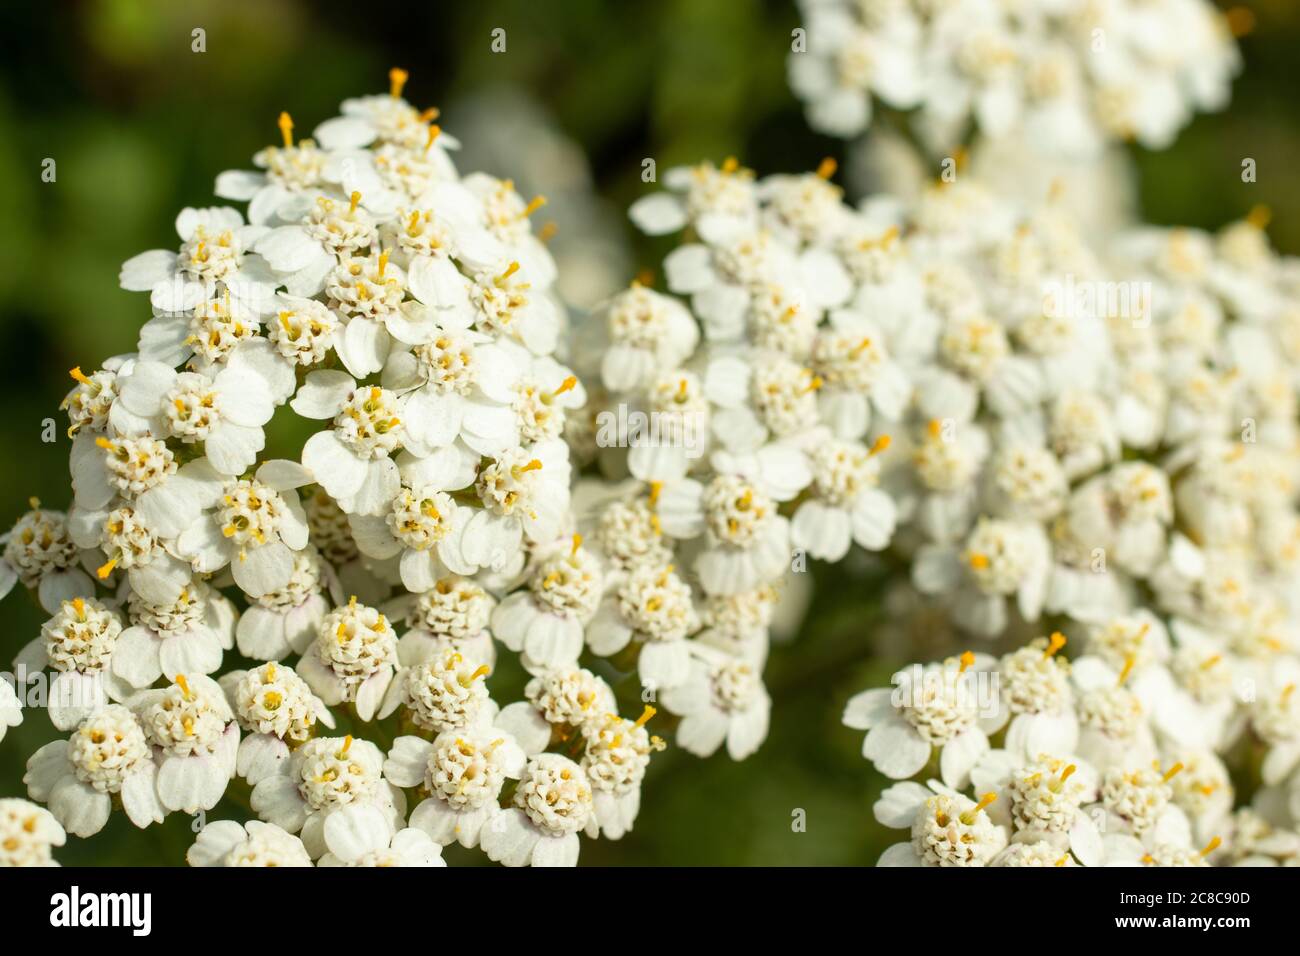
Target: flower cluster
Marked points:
405	310
1068	75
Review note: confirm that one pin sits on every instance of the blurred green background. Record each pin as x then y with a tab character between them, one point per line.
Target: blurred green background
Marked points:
139	125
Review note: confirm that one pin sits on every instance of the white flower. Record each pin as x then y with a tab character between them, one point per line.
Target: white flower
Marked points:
28	833
615	759
256	526
935	706
651	607
39	552
227	843
647	332
11	708
553	803
187	636
78	643
845	505
352	461
285	621
559	701
108	754
717	201
196	738
724	700
277	711
214	244
948	829
322	777
525	493
353	659
224	413
424	529
361	836
545	622
462	771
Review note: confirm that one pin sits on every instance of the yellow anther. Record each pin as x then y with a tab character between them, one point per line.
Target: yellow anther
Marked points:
1062	861
354	200
656	487
397	78
105	569
1211	661
826	168
1259	216
978	560
184	685
187	723
1054	643
80	606
568	385
510	270
1128	669
347	745
969	816
270	670
104	443
730	164
934	427
1065	774
967	659
1172	772
79	375
434	132
481	671
383	262
880	444
533	465
1212	846
861	347
645	716
577	543
1241	21
536	203
285	122
429	115
548	231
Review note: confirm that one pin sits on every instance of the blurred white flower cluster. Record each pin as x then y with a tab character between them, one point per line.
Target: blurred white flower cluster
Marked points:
1068	75
214	612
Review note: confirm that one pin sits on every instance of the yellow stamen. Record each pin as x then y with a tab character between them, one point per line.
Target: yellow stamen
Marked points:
80	605
353	201
482	671
537	203
184	685
730	164
510	270
434	132
104	570
967	660
432	113
1172	772
1259	216
655	488
978	560
577	543
270	670
79	375
1065	774
826	168
1241	21
347	745
1054	643
880	444
383	262
397	78
1212	846
969	816
548	231
285	122
645	716
1128	669
566	386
